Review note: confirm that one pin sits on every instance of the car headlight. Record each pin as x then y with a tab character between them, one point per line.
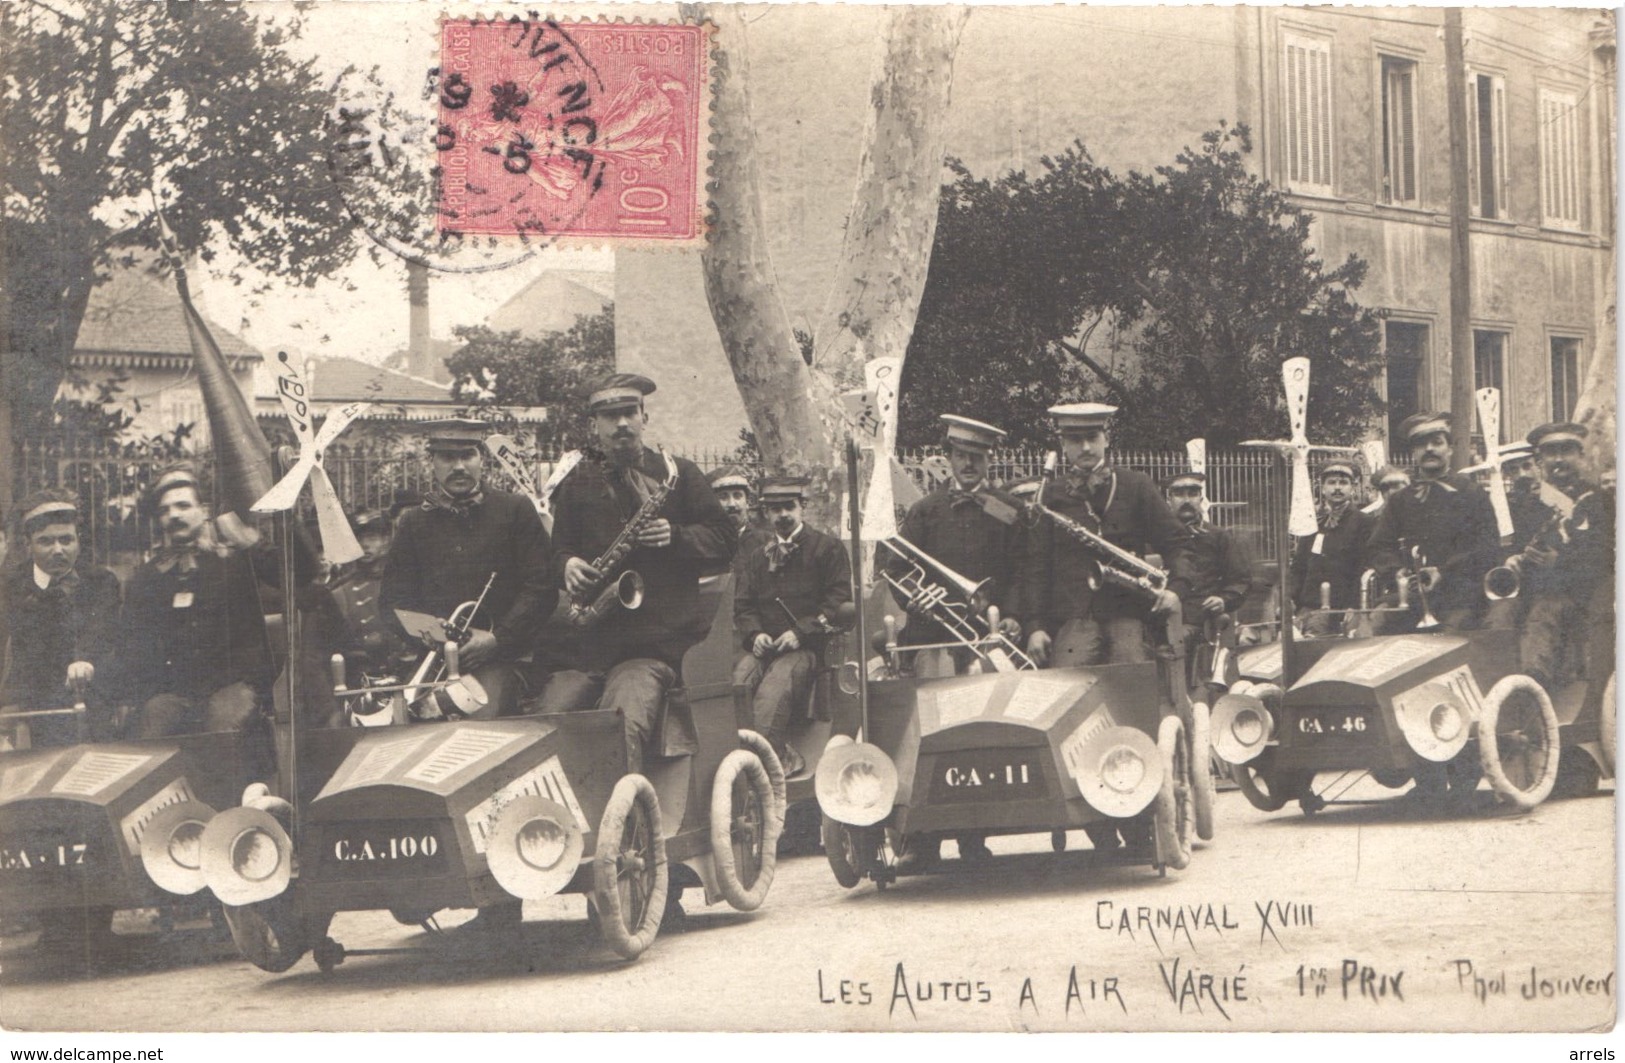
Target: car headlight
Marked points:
1118	771
1434	719
1240	727
172	847
856	783
246	856
534	847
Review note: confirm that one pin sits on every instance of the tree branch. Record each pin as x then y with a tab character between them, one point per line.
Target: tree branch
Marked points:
1117	387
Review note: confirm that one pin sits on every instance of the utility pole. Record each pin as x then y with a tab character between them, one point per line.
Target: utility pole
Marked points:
1461	258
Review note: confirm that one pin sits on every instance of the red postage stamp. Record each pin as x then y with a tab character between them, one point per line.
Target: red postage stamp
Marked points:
573	130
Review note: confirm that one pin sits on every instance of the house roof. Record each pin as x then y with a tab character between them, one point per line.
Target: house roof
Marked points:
399	396
553	301
135	319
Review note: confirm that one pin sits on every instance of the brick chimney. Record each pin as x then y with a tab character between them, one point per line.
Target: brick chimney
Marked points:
418	356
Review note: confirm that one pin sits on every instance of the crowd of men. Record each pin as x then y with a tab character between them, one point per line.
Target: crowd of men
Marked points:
547	625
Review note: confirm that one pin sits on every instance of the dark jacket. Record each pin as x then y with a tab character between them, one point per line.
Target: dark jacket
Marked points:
1338	559
74	619
815	580
950	526
590	510
1215	561
194	632
1129	511
1453	523
440	559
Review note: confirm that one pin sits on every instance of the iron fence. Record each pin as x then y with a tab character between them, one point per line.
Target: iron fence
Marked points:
111	480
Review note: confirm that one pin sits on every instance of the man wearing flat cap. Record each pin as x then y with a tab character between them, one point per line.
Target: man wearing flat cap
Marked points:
1125	507
785	604
451	545
61	615
628	660
194	656
1214	573
953	526
1568	566
1442	527
1334	556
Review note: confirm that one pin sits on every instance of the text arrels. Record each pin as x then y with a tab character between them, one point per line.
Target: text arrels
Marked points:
1539	985
1355	980
1200	989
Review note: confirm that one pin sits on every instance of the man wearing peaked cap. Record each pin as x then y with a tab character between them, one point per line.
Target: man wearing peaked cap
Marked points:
357	588
1125	507
1568	566
61	616
1215	572
1334	555
630	659
447	548
1441	526
790	589
732	485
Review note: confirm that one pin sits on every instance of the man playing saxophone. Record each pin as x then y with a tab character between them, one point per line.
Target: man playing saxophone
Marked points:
445	551
628	658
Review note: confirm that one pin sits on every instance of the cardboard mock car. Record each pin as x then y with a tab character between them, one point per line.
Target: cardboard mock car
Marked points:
1033	751
473	813
82	826
1396	706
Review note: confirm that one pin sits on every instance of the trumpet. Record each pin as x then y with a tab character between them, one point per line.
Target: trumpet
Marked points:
959	619
1428	621
433	666
1114	564
1502	582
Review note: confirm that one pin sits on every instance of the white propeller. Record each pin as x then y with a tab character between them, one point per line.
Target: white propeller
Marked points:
338	541
1196	457
507	455
1295	377
1489	422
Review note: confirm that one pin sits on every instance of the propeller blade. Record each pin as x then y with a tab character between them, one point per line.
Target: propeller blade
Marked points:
285	492
1375	455
1295	377
337	421
1489	423
1196	457
339	545
1301	518
566	464
295	398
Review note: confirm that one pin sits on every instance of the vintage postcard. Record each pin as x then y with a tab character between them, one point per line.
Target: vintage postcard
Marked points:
803	518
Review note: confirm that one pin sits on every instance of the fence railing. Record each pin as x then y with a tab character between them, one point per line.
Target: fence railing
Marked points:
111	481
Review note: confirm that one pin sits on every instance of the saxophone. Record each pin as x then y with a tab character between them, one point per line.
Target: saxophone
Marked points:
625	588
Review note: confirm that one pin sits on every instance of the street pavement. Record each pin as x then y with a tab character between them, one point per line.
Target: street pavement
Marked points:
1375	914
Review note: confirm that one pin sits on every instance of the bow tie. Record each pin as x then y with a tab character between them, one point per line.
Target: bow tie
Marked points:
175	555
778	553
62	583
958	498
439	498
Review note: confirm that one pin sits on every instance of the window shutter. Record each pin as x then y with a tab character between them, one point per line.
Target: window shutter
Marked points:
1407	135
1307	73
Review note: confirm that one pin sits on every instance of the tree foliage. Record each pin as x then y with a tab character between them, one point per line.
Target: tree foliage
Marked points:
498	369
1175	295
103	102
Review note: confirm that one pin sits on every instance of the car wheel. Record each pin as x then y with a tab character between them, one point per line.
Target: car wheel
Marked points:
274	934
763	749
745	825
1606	726
629	871
841	850
1201	759
1174	807
1268	791
1518	741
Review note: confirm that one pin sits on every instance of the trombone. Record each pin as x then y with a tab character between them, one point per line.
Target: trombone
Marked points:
959	619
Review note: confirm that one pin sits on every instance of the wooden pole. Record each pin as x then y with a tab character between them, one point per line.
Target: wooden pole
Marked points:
1461	292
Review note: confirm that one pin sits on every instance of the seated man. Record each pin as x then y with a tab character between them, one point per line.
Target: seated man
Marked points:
61	616
194	655
1334	555
786	598
1215	573
628	659
464	537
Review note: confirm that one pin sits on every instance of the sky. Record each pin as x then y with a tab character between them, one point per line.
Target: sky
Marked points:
370	321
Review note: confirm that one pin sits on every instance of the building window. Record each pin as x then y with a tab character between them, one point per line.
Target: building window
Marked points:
1307	77
1565	376
1489	362
1398	130
1559	160
1486	162
1405	344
